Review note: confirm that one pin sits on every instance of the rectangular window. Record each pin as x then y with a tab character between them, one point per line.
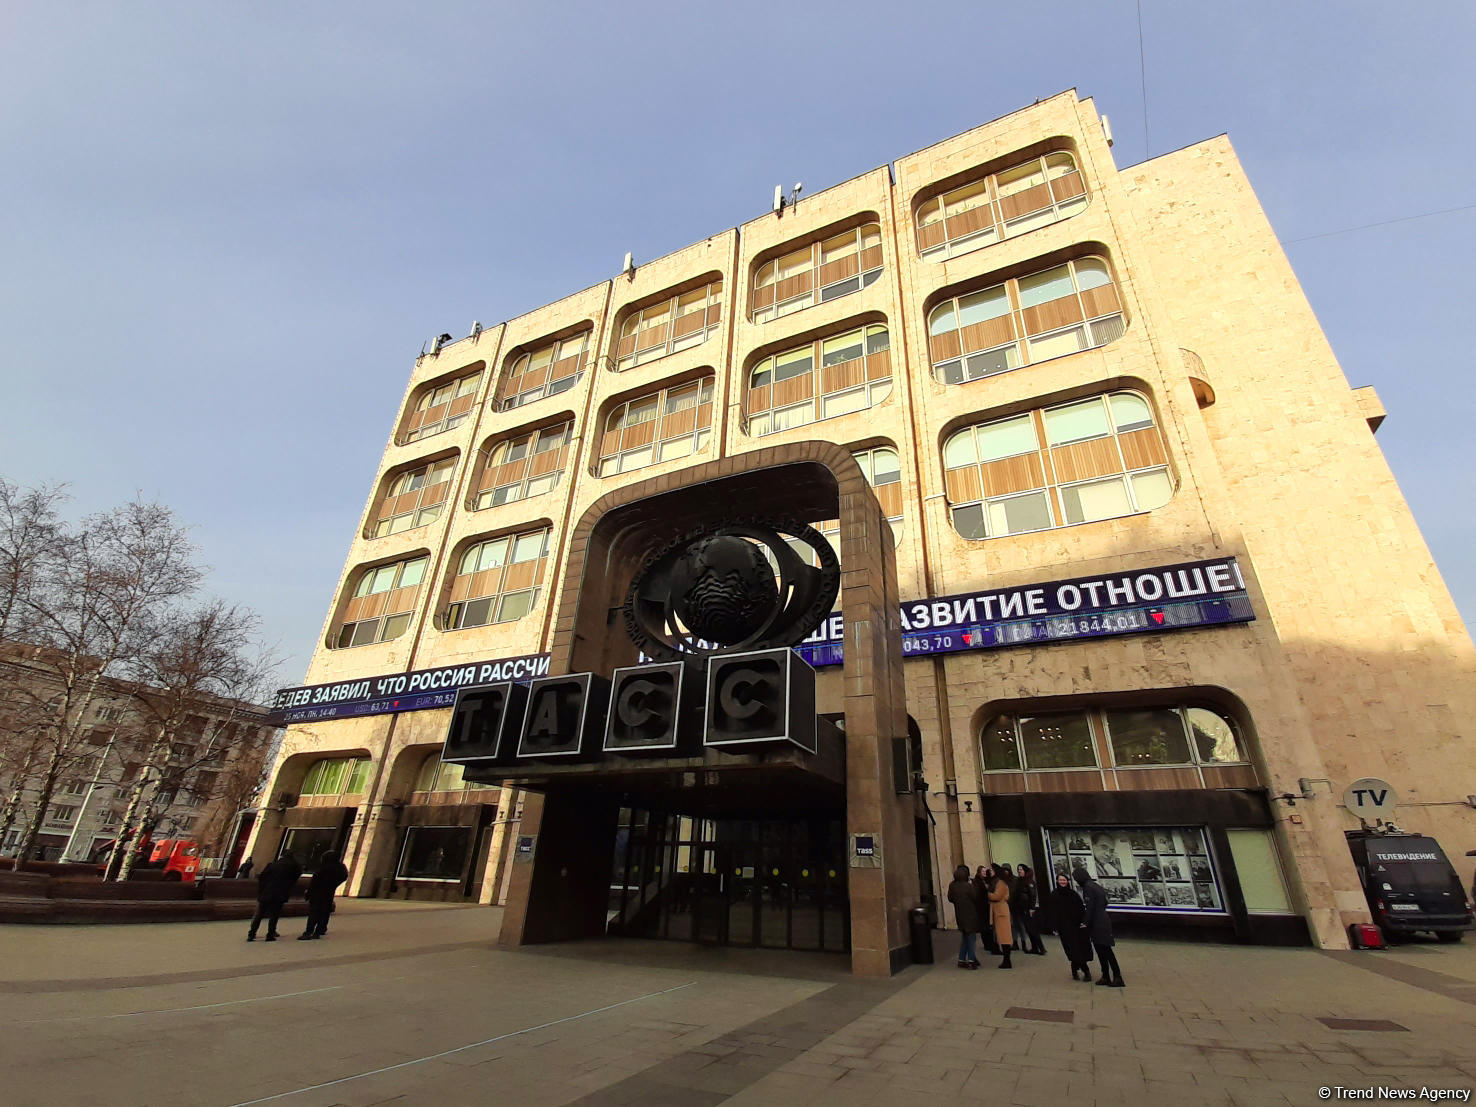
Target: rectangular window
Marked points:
1057	742
1001	746
1101	499
1019	514
1161	869
1007	438
307	845
1147	737
435	853
1077	422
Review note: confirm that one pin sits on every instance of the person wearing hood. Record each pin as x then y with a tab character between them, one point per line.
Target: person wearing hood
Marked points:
966	911
329	874
274	886
1099	928
1068	914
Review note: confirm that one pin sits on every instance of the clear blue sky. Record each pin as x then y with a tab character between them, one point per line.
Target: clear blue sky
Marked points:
227	228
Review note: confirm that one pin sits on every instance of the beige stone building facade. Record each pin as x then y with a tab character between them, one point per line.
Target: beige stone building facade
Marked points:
1052	371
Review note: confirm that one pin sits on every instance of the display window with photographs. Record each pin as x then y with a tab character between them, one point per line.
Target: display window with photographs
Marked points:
1141	868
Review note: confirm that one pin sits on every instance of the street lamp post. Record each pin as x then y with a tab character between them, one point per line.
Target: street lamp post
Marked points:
92	786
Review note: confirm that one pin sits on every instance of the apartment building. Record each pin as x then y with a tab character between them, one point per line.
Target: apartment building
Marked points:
205	787
1161	597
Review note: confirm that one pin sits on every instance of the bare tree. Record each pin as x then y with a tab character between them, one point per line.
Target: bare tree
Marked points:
193	656
30	529
89	614
232	788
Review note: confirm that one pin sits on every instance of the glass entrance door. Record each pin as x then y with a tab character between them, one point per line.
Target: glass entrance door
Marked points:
775	883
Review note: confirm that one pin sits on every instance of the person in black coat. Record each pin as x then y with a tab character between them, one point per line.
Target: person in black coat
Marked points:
1099	928
1068	915
966	911
1023	904
329	874
274	885
244	872
983	880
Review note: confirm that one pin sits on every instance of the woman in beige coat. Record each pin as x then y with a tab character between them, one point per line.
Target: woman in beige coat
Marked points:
999	912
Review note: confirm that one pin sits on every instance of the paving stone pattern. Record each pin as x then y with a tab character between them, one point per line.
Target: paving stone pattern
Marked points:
417	1007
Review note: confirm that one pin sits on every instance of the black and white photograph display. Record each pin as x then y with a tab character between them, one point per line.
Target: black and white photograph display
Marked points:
1146	868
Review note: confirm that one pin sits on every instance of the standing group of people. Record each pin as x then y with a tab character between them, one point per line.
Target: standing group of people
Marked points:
278	880
1006	909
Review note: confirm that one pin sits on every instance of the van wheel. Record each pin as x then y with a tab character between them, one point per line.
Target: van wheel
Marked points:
1449	935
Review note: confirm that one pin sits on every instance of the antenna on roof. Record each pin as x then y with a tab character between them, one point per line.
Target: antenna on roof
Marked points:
629	268
1107	130
778	198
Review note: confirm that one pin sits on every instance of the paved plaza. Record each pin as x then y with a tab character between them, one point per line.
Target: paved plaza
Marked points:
411	1004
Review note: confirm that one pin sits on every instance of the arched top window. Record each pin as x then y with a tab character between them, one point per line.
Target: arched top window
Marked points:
819	272
441	408
1058	311
335	776
1001	205
437	776
669	326
1135	738
413	498
661	426
384	599
516	468
820	380
1091	459
498	580
546	371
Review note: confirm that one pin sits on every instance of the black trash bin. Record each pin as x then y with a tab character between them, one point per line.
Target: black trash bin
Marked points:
921	929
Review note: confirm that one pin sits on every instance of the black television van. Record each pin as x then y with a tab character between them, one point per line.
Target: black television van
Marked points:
1410	884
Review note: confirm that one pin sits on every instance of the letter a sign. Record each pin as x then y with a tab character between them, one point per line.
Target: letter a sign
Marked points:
1370	798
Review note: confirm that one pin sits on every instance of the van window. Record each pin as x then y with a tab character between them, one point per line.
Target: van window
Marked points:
1418	876
1414	866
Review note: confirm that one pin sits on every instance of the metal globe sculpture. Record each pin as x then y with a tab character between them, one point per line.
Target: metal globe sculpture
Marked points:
722	589
740	585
